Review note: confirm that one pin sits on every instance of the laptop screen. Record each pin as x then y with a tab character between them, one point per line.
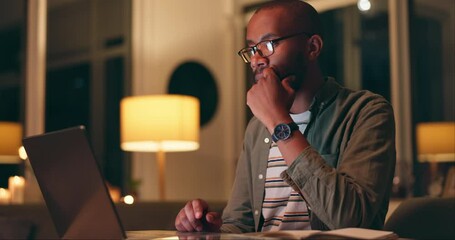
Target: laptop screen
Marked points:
72	185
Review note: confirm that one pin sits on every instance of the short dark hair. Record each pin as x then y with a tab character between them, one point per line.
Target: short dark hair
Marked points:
302	12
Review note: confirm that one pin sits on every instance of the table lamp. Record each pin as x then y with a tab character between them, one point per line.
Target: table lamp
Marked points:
435	144
160	123
10	142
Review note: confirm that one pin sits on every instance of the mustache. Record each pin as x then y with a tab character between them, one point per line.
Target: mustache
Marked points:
256	72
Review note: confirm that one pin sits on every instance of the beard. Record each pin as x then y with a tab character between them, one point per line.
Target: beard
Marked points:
299	71
257	74
298	68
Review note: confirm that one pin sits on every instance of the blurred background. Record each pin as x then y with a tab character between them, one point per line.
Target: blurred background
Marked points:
70	62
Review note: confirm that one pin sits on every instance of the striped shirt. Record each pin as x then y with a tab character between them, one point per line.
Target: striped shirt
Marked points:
283	208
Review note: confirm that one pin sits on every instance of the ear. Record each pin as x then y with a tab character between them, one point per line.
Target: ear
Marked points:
315	44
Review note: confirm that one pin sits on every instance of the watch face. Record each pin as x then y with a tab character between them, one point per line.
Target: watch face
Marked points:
282	131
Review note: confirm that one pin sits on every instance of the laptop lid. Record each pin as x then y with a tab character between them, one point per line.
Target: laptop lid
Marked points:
72	185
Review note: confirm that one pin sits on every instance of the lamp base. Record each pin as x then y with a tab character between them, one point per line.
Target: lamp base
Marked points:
435	187
161	159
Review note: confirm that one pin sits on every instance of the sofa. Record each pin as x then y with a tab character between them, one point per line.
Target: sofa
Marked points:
424	218
32	221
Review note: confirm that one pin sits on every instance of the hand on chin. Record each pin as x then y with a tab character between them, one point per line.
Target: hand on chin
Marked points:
270	98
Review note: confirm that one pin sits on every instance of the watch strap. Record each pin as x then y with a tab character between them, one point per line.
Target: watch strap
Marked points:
293	126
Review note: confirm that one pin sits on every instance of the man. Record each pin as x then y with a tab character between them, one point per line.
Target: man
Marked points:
331	162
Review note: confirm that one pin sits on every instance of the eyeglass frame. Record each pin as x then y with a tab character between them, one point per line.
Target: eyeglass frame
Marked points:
272	43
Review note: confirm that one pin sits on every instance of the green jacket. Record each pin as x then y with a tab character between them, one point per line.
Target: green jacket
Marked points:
346	175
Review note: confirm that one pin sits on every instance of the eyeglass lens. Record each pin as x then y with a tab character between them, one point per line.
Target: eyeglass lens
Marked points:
264	49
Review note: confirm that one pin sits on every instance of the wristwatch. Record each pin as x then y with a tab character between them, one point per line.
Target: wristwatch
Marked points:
283	131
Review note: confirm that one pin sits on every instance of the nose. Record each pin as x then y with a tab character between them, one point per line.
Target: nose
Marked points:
258	61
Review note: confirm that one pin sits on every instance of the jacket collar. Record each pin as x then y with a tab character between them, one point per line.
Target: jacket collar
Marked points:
326	94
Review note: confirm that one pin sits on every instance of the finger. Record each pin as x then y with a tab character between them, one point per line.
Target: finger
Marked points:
182	223
178	221
185	226
288	84
269	73
214	220
178	224
189	212
199	207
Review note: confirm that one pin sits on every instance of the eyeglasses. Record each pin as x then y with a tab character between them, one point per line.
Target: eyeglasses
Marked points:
264	48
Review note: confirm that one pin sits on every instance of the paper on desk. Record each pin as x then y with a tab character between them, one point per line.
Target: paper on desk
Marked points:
344	233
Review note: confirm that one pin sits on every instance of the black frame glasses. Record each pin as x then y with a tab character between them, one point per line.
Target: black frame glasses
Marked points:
264	48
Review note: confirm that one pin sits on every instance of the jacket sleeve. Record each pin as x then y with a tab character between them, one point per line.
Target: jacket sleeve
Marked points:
352	194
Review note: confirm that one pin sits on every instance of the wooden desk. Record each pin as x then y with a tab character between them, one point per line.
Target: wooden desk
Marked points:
305	234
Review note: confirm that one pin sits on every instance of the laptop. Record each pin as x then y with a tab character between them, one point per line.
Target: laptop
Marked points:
74	189
76	194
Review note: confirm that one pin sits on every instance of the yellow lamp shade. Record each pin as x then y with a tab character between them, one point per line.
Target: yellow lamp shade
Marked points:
436	141
10	141
154	123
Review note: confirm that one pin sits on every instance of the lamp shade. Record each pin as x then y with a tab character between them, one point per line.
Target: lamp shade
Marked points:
436	141
10	141
154	123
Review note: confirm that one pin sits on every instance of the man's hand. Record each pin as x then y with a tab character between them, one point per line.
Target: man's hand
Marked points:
270	99
195	216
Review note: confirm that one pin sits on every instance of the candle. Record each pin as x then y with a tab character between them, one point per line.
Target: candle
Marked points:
16	188
5	196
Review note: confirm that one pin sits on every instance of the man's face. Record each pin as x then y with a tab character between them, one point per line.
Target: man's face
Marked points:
289	57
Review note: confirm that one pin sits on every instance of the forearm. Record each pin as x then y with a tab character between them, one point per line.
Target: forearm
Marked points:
339	200
355	190
293	147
